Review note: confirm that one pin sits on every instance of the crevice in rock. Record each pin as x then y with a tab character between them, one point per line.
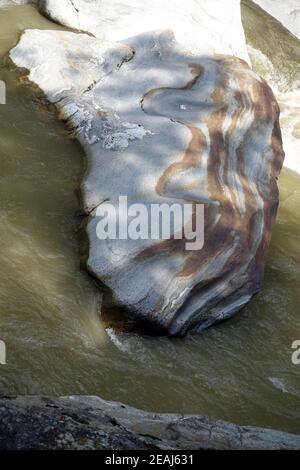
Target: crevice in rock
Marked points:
88	212
118	67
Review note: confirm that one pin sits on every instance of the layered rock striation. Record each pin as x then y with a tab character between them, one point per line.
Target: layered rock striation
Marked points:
164	125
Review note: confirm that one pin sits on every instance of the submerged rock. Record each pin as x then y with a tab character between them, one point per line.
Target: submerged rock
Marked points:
90	423
162	125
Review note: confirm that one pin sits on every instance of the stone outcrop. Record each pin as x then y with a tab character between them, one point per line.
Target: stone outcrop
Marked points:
162	125
74	423
202	25
287	13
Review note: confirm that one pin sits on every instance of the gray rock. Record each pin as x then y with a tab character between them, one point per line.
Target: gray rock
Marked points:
162	125
40	423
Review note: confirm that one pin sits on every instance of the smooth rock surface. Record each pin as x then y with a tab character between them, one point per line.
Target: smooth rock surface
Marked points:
88	423
160	125
202	25
287	12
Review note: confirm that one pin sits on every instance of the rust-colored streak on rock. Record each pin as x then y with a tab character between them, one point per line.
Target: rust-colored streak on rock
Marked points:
192	155
242	208
196	69
190	159
218	235
178	128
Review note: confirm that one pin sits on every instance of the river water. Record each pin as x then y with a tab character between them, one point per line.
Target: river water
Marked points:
240	370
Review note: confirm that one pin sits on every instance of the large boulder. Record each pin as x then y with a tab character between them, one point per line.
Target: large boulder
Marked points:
162	125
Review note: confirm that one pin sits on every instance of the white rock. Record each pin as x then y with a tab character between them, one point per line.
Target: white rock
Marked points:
287	12
204	26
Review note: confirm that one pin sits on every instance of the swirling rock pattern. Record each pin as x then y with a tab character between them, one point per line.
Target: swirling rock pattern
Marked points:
160	124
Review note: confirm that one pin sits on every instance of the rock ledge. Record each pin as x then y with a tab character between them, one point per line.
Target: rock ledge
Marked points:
47	423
